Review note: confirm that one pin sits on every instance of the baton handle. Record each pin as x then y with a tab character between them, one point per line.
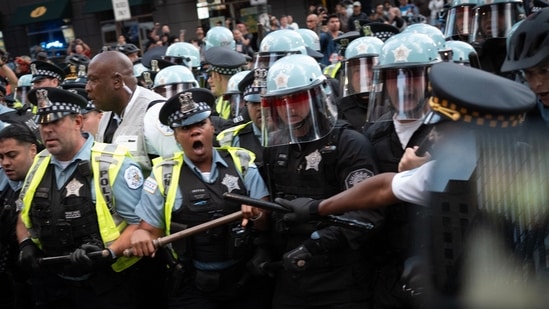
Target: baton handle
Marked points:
162	241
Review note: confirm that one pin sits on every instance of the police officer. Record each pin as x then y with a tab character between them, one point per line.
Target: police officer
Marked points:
248	134
397	106
491	22
223	64
309	154
85	212
46	74
18	146
360	57
214	261
463	113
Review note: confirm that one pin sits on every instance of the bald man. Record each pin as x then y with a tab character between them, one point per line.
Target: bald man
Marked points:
130	111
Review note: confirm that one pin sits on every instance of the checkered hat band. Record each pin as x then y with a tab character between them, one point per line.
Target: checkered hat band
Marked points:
179	116
62	107
48	73
226	71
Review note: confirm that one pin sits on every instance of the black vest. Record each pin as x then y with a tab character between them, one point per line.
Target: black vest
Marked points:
64	219
8	220
203	202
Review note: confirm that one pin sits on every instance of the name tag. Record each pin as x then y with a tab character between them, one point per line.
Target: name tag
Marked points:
128	141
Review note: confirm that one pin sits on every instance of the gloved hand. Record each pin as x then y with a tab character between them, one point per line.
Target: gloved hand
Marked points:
83	257
257	265
298	259
28	255
303	208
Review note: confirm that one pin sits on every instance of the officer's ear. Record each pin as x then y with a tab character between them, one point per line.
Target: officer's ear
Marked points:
117	80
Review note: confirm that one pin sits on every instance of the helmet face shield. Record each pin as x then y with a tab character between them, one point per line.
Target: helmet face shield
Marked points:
400	90
237	103
458	24
21	93
170	90
302	116
494	21
359	75
264	60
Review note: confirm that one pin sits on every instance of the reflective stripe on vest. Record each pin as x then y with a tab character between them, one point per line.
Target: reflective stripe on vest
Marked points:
223	108
226	137
106	160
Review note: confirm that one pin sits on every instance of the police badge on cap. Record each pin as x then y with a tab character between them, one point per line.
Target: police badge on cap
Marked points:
54	103
187	107
43	69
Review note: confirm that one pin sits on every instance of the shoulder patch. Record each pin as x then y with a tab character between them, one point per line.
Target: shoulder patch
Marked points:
164	129
357	176
150	185
133	177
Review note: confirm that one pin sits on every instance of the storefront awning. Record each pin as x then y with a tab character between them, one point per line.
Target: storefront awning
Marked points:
33	13
93	6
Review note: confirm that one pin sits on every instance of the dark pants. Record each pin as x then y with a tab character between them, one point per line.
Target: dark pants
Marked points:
233	288
105	289
334	287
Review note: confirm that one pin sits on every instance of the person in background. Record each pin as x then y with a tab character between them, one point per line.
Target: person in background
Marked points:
328	47
18	146
6	72
358	14
312	23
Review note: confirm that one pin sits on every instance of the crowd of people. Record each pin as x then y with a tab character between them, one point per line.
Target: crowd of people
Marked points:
301	168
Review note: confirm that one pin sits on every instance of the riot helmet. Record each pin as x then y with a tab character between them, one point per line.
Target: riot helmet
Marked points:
310	38
233	94
493	19
174	79
460	52
459	19
183	53
24	85
431	31
298	105
401	77
360	57
219	36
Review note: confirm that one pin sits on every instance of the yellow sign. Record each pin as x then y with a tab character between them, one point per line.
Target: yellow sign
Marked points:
39	11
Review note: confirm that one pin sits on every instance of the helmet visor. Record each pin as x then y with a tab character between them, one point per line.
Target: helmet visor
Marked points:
264	60
458	24
401	91
170	90
359	75
237	103
494	21
21	94
303	116
174	59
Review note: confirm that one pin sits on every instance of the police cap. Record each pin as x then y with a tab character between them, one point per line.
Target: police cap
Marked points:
83	93
187	107
473	96
224	60
44	69
253	85
55	103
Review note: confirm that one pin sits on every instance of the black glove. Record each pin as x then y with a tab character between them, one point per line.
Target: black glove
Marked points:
84	258
299	258
29	254
258	264
303	208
